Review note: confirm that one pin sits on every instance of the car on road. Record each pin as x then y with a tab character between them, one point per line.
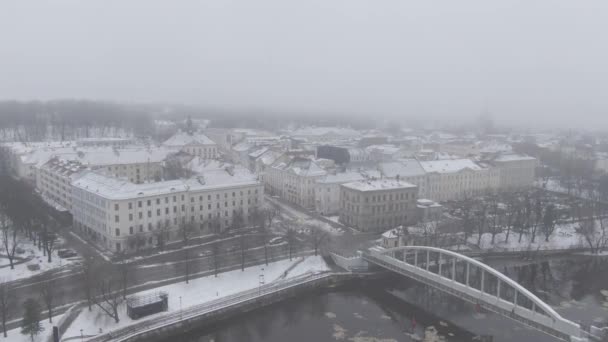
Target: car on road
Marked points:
66	253
276	240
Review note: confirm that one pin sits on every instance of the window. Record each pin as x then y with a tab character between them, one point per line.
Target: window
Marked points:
209	197
139	204
158	201
116	218
130	217
130	205
209	206
183	207
131	230
174	199
149	203
117	232
116	206
141	215
149	213
166	200
157	212
182	197
174	208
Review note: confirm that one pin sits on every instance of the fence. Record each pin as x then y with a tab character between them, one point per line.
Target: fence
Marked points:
135	331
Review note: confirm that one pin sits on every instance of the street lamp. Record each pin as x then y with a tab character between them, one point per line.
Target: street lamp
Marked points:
261	282
81	335
180	308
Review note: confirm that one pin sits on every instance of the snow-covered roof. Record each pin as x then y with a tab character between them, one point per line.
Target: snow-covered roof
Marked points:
320	131
401	168
119	189
257	153
450	165
513	157
299	166
342	177
379	184
181	139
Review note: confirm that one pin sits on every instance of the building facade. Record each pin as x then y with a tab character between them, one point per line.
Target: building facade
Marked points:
293	178
377	205
121	216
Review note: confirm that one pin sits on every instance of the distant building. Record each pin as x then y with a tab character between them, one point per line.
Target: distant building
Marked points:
293	178
376	205
327	191
457	179
54	182
516	170
196	144
336	153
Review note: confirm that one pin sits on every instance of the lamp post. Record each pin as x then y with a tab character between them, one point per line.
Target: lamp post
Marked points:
261	282
180	307
81	335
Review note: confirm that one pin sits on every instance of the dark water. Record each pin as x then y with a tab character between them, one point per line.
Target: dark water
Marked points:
397	309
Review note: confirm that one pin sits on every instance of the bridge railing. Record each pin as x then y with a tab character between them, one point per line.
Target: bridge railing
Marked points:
547	319
168	319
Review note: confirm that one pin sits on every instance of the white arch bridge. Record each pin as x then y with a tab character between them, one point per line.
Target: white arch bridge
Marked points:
475	282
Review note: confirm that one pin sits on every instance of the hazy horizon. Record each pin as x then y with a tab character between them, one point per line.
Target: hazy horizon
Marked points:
540	63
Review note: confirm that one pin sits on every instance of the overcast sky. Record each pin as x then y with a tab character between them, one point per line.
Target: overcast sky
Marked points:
523	60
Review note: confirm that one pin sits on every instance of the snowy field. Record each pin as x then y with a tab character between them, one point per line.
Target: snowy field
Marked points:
34	257
563	237
199	291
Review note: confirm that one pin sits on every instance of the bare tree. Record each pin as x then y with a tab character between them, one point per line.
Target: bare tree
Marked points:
494	224
187	264
6	301
10	240
291	242
108	297
271	215
243	250
537	216
592	226
215	253
510	215
162	235
186	230
480	221
123	269
89	279
319	238
549	220
47	293
49	240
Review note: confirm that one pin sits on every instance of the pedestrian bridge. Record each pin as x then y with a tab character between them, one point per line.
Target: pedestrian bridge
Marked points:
477	283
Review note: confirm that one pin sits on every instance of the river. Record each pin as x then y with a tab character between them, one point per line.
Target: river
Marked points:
398	309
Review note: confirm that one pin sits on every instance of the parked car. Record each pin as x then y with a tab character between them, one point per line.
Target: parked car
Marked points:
66	253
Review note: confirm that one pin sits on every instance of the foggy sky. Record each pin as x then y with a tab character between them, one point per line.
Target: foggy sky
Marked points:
526	61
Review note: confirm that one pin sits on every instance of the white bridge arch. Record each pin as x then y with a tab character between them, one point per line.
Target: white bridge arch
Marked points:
475	282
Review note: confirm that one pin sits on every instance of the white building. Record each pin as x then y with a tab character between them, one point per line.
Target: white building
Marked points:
54	182
516	170
294	179
458	178
327	191
118	215
196	144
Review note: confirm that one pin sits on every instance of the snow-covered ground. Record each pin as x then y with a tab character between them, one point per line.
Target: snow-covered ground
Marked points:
15	335
563	237
35	258
198	291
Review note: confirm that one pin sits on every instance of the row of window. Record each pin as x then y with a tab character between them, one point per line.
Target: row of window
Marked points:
192	200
